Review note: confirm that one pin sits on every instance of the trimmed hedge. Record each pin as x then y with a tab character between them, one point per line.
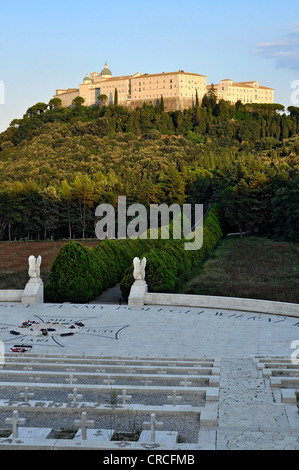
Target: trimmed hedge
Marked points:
171	261
75	275
80	274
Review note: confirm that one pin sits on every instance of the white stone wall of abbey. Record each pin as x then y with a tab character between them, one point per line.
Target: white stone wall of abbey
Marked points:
179	90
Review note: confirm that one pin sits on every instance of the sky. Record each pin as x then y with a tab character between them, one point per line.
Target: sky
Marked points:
48	45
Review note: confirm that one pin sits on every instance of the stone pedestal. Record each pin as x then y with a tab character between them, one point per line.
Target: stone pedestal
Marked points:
137	293
34	292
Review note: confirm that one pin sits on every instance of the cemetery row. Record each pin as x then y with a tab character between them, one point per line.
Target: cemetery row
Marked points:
138	401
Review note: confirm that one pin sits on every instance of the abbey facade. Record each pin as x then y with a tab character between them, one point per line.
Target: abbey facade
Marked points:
179	89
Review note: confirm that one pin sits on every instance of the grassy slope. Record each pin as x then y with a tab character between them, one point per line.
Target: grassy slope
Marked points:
251	267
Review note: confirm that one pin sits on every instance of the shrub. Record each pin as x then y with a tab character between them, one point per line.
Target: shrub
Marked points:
75	276
157	271
107	261
127	282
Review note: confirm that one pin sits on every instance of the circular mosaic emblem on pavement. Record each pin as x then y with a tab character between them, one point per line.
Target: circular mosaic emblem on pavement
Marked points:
49	328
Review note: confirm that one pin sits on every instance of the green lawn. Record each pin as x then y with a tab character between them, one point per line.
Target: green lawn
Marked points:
250	267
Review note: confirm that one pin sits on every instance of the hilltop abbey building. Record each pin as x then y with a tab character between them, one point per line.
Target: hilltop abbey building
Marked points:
179	90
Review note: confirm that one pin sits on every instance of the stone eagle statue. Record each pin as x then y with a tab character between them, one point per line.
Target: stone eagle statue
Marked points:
139	269
34	266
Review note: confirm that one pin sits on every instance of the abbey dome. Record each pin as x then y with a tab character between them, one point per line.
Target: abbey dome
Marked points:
106	72
87	79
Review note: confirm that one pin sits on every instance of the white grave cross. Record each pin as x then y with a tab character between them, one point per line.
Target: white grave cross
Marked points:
33	378
71	379
174	398
108	381
26	395
152	425
75	395
15	421
124	397
146	381
185	382
83	423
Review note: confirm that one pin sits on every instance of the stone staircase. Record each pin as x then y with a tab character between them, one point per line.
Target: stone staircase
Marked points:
283	373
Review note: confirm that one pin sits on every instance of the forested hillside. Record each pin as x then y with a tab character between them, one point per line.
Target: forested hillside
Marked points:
57	165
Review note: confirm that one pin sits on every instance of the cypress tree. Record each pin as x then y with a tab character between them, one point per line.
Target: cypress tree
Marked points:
115	97
196	100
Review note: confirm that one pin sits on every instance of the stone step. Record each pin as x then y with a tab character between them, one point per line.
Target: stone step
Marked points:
163	438
32	433
210	393
126	360
274	363
289	395
97	444
112	367
207	414
101	434
213	380
277	365
273	372
31	437
279	381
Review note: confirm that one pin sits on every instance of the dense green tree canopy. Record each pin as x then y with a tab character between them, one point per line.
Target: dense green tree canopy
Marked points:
57	164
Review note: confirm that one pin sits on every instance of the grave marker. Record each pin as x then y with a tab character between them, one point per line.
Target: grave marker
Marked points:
26	395
146	381
75	395
15	421
83	423
174	398
108	381
185	382
34	378
153	425
124	397
71	379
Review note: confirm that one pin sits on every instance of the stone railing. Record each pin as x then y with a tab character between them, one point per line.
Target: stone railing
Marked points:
228	303
139	296
11	295
206	301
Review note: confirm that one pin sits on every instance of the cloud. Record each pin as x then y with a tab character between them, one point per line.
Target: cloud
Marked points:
284	51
